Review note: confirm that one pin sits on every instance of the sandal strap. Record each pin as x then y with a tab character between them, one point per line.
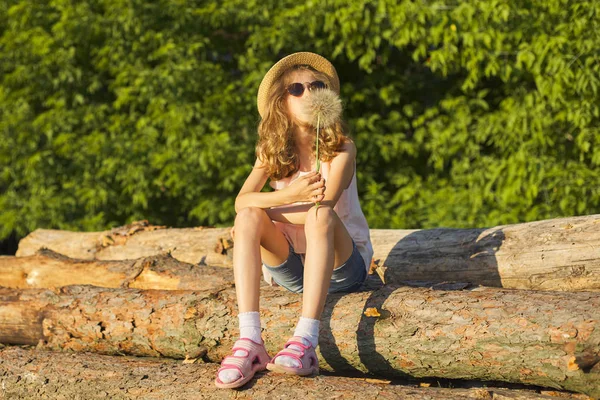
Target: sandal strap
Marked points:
247	344
299	344
235	360
246	362
284	353
306	352
298	353
242	349
297	340
230	366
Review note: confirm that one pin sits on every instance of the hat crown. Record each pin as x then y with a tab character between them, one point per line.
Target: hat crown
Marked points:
314	60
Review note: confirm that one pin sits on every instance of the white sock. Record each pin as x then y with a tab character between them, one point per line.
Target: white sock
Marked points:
308	329
250	329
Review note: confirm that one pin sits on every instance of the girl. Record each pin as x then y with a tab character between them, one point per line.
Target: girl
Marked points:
308	249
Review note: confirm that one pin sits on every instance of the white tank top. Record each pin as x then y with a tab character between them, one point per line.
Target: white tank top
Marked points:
347	208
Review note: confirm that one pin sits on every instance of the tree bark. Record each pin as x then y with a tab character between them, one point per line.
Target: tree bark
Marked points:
533	337
198	246
559	254
33	374
47	269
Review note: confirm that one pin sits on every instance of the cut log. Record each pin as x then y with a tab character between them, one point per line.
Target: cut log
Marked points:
557	254
198	246
32	374
47	269
541	338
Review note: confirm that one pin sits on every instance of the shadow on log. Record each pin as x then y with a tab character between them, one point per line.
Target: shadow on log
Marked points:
557	254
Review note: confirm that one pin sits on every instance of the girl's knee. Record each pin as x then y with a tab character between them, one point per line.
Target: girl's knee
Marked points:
250	219
321	216
249	214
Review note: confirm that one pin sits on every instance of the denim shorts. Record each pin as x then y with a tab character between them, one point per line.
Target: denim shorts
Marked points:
347	278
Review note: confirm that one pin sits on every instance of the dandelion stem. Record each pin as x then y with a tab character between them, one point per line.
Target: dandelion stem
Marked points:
318	163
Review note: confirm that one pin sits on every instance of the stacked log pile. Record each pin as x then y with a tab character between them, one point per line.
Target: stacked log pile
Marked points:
518	304
558	254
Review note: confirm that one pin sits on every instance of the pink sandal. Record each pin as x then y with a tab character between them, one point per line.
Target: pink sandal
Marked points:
255	359
307	357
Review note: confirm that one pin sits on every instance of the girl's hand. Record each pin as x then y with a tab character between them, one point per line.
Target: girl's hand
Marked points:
310	187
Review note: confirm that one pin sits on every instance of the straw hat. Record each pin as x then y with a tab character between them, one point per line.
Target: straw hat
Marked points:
316	61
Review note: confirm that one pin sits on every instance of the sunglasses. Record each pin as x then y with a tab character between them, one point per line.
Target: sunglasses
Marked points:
296	89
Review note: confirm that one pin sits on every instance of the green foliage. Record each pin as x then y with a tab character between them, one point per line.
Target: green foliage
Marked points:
472	113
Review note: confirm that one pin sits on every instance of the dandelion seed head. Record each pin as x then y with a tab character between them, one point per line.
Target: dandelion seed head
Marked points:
323	105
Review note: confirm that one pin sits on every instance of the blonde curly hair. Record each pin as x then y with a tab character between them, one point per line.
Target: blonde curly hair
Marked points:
276	148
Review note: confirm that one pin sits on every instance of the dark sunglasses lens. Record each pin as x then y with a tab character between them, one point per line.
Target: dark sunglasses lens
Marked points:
318	85
296	89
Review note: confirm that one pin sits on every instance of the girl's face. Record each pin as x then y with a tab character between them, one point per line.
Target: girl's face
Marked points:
295	104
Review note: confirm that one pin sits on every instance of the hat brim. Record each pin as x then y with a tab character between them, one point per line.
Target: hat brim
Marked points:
316	61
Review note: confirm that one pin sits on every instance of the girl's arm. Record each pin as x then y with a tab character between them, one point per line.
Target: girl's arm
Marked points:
261	199
339	178
250	194
290	214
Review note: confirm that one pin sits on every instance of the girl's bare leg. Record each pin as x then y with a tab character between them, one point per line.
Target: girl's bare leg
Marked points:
328	246
255	237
